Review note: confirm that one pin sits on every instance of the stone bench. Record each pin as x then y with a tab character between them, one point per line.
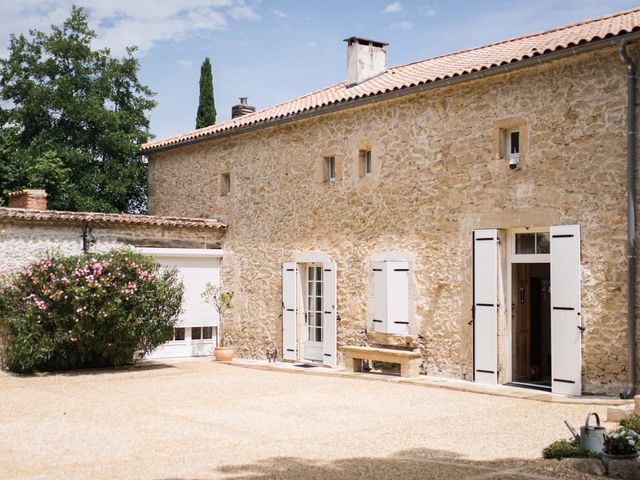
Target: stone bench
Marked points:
409	360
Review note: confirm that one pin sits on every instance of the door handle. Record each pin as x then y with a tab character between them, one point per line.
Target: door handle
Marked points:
470	322
581	328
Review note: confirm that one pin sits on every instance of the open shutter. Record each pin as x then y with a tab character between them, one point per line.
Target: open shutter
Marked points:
379	320
329	337
398	298
289	336
566	335
485	306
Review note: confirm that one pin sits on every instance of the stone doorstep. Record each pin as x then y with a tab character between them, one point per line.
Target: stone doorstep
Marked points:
617	413
434	382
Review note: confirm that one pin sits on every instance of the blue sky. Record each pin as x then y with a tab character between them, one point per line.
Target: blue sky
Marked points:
274	50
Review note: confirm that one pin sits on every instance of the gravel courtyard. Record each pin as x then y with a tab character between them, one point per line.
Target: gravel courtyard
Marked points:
198	419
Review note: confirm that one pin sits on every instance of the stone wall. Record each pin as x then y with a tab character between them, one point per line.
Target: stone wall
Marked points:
23	241
437	176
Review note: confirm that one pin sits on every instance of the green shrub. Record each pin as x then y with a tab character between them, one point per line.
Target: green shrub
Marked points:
83	311
632	422
567	449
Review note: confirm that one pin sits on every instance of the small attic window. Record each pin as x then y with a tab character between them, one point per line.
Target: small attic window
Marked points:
365	166
513	143
225	184
329	169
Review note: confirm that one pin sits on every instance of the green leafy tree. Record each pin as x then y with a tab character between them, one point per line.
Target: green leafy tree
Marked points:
206	106
72	119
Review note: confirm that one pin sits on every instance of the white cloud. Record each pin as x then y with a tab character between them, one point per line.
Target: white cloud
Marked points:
279	13
185	63
394	7
312	44
403	25
427	11
244	13
122	23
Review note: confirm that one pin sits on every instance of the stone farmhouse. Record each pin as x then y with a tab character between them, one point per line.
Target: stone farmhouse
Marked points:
471	205
469	209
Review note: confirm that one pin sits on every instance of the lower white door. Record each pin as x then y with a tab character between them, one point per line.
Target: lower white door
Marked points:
485	306
313	347
566	324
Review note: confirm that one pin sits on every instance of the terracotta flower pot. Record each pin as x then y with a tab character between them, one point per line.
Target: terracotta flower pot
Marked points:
223	354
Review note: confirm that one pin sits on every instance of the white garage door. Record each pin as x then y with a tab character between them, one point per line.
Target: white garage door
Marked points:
196	330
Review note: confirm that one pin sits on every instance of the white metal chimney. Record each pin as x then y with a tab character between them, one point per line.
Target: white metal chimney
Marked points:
365	59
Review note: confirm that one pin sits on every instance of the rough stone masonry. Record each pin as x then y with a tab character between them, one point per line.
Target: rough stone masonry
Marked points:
437	175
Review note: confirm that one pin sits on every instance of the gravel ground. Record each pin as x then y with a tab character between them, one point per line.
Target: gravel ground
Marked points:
199	419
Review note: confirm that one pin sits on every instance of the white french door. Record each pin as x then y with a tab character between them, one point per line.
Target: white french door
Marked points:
309	312
314	296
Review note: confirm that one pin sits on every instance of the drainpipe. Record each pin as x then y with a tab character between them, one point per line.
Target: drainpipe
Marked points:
631	219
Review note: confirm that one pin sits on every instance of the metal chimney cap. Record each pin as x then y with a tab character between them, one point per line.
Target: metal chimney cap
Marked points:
365	41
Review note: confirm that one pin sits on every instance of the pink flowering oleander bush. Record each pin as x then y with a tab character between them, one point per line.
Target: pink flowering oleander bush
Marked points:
94	310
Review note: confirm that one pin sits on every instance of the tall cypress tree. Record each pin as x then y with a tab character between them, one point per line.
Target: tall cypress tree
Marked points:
206	107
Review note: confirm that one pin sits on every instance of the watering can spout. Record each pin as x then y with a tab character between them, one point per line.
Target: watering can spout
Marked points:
572	430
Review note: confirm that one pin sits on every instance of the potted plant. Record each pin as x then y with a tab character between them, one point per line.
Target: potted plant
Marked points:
220	298
621	444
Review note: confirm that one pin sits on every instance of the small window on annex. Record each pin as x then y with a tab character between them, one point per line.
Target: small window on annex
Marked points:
225	184
532	243
178	334
329	169
364	163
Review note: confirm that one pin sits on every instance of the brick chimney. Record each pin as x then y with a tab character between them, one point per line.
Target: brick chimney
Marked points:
28	199
365	59
242	108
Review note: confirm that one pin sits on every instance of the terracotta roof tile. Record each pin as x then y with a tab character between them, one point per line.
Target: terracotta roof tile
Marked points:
430	70
20	214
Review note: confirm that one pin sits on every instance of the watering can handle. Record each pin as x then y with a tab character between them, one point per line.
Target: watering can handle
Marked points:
572	430
586	423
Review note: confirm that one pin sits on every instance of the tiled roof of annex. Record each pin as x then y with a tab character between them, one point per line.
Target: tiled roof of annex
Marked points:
63	217
427	71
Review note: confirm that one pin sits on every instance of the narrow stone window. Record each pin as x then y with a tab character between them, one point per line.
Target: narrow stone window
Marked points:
329	169
513	143
364	161
225	184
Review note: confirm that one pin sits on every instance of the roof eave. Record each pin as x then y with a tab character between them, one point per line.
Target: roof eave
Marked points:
356	102
9	215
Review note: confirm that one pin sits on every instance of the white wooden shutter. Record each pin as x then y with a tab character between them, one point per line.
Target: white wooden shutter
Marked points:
566	335
398	297
329	334
485	306
379	320
289	318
